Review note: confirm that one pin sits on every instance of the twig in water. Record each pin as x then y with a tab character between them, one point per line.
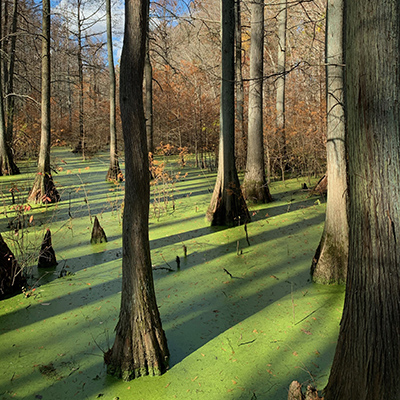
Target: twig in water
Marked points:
86	197
166	268
249	342
166	262
293	309
228	273
184	250
247	235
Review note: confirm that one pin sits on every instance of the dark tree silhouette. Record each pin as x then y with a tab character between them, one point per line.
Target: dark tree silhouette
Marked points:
140	346
11	277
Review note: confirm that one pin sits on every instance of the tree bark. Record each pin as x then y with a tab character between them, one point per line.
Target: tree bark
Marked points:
81	146
241	142
227	206
43	188
114	172
98	234
280	87
367	361
330	261
140	346
10	77
148	76
47	256
7	165
255	185
11	277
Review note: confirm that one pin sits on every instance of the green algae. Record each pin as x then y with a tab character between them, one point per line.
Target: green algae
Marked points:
242	335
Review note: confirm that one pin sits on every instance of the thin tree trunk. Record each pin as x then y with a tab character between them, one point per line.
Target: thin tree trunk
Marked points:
43	189
80	147
255	185
240	131
330	261
10	78
7	165
114	172
280	87
140	346
227	206
367	361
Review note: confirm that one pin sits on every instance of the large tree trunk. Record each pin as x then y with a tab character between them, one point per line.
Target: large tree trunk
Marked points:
114	172
367	361
140	346
227	206
148	76
280	87
255	185
330	261
43	189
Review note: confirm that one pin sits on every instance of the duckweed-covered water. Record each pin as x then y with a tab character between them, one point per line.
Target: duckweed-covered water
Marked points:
242	321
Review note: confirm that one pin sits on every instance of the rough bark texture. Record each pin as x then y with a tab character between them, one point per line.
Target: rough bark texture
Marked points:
227	206
330	261
47	256
114	172
140	346
255	186
98	234
43	189
11	277
367	361
148	74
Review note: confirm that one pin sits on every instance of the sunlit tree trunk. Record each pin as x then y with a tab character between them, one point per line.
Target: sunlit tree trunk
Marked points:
114	172
240	129
255	185
330	261
280	87
140	346
43	189
227	205
148	76
367	361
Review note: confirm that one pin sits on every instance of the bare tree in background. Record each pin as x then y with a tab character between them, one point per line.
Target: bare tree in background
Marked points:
43	189
227	206
114	172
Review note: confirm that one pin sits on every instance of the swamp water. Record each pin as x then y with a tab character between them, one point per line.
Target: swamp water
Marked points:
243	335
